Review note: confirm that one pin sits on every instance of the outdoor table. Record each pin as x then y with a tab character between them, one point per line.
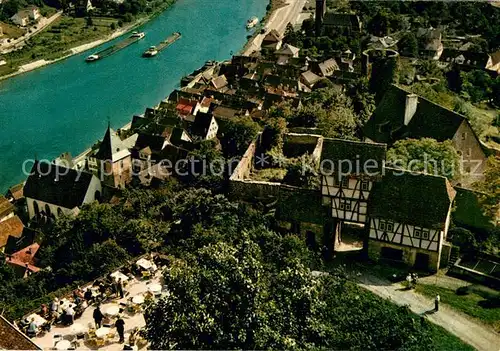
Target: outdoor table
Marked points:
77	329
119	275
155	288
102	332
63	345
138	299
68	303
145	264
39	320
113	310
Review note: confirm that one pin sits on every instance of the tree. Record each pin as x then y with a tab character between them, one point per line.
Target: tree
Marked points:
339	122
273	134
89	21
302	173
408	45
476	85
237	135
425	155
490	186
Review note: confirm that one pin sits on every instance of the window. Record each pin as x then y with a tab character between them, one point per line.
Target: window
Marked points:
469	152
387	226
345	182
390	226
381	225
417	233
425	234
364	185
345	205
464	135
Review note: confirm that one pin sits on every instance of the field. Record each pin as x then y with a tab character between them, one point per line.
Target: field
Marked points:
62	35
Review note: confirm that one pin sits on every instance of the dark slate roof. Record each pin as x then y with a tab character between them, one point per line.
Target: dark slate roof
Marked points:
471	58
111	144
272	37
352	153
154	142
201	123
13	339
341	20
386	125
411	198
139	122
302	205
57	185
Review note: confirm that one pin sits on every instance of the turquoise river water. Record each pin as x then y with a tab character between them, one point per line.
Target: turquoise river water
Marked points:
66	106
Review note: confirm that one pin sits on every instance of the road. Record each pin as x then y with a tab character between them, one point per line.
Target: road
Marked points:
278	21
480	336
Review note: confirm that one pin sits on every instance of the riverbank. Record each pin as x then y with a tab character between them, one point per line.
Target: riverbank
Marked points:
87	46
280	13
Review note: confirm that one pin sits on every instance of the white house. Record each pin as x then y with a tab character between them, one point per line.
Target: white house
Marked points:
205	126
23	17
53	190
349	170
409	215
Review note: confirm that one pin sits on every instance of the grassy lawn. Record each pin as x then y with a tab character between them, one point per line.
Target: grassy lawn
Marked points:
10	31
445	341
55	41
467	304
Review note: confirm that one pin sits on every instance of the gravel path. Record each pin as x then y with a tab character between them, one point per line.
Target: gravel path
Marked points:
478	335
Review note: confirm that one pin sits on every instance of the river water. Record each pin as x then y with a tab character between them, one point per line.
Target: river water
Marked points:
66	106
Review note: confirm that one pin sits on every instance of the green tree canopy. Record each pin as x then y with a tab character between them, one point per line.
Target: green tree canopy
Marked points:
426	155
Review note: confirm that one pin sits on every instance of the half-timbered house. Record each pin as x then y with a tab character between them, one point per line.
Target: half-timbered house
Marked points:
349	170
408	218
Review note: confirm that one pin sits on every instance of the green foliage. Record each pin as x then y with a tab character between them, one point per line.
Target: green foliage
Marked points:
302	173
490	186
477	85
273	134
408	45
237	135
384	73
426	155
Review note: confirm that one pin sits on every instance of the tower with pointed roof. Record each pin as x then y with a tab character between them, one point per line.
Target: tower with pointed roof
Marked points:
112	161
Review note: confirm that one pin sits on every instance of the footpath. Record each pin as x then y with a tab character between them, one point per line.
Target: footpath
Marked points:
474	333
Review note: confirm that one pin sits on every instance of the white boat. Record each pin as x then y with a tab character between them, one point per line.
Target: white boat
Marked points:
152	51
92	57
139	35
252	22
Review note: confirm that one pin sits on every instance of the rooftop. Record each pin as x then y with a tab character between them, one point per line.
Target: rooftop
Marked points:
10	227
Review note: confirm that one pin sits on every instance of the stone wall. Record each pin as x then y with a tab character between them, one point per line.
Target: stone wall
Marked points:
248	190
242	171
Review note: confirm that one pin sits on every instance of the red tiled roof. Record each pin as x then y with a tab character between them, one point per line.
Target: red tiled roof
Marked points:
25	258
6	207
10	227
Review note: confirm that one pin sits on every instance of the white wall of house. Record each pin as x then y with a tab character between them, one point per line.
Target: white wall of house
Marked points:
94	186
406	234
212	130
349	201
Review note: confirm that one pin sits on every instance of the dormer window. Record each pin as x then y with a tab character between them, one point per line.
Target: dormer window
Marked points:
387	226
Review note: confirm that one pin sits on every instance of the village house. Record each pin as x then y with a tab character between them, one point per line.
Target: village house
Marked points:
6	209
431	46
23	261
11	227
272	40
53	190
204	126
328	22
111	162
15	192
401	115
308	78
285	53
349	171
24	17
409	216
326	68
470	60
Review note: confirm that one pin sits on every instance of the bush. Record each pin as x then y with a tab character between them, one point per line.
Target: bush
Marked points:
112	26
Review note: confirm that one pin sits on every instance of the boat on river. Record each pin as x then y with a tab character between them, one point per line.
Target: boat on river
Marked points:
136	36
154	50
252	22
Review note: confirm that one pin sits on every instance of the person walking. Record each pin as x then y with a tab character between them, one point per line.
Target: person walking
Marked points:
119	287
98	316
120	328
436	302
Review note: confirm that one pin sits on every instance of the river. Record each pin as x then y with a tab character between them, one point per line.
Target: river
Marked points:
66	106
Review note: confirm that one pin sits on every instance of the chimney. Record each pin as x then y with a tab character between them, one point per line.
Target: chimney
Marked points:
410	107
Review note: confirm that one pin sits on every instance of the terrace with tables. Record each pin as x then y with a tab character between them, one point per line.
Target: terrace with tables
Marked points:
142	284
